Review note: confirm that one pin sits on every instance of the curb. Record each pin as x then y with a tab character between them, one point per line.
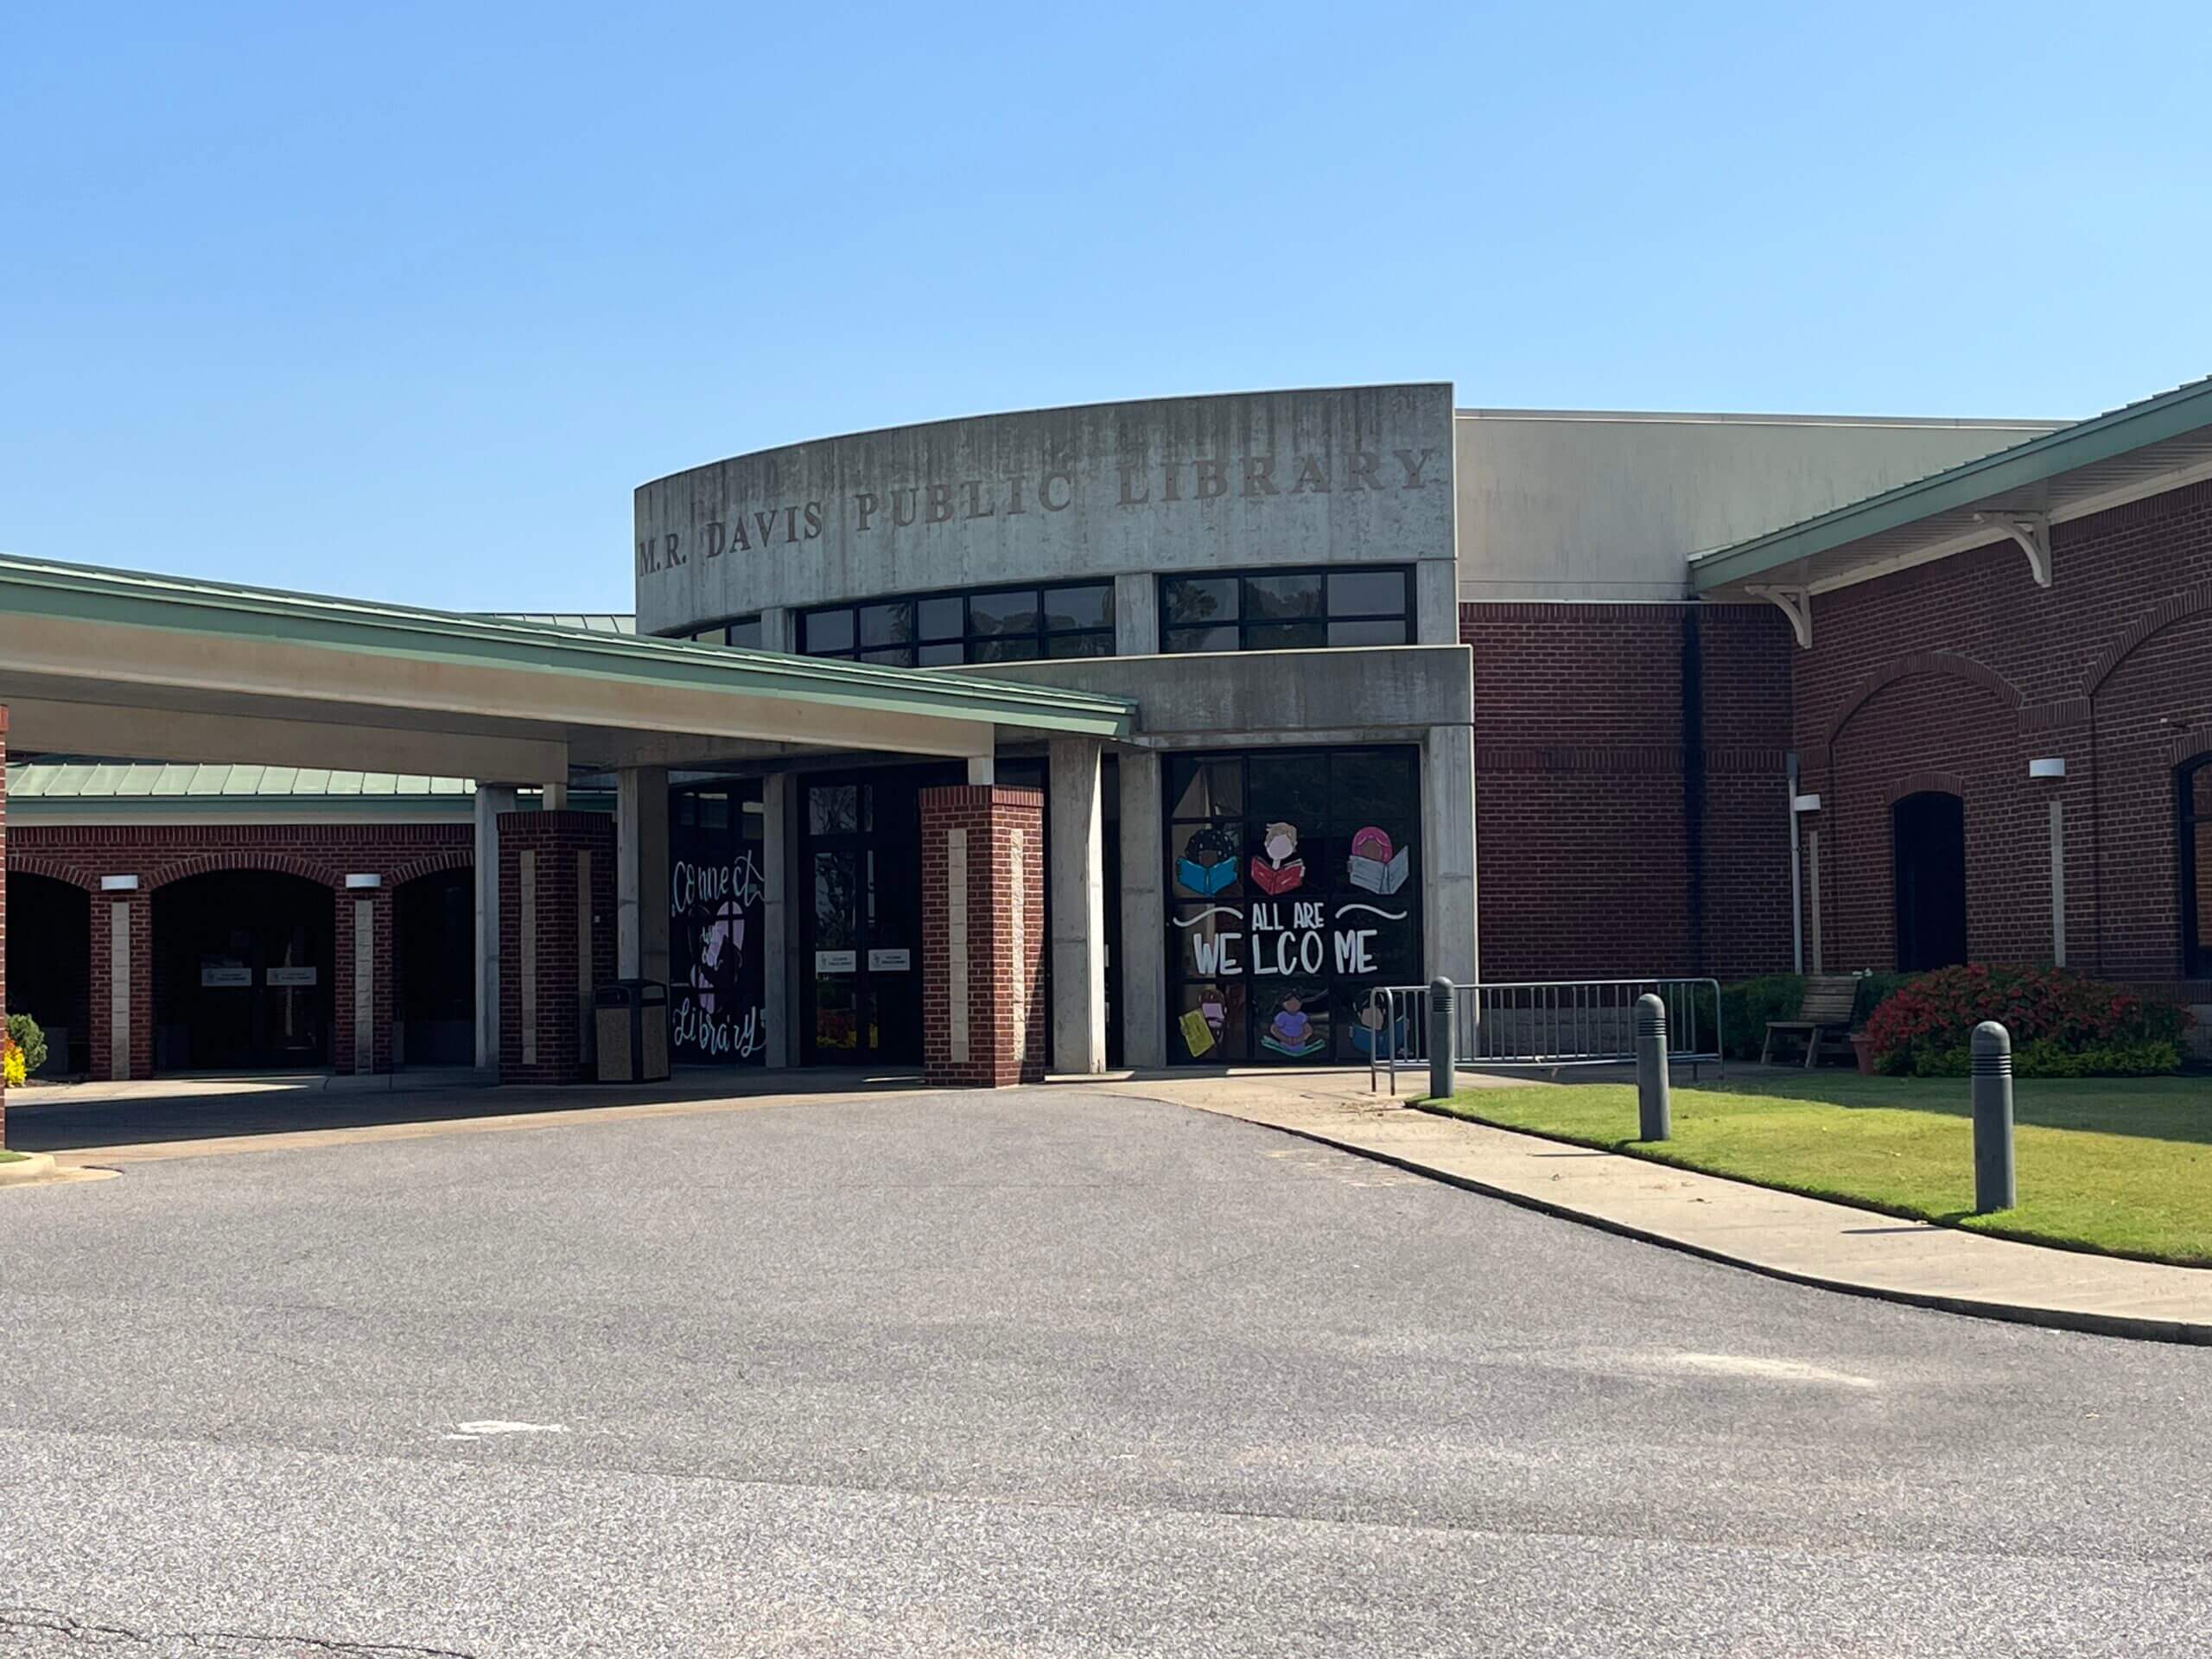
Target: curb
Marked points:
31	1167
2131	1326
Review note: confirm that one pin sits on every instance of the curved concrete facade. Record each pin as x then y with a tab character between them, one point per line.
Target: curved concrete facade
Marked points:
1350	475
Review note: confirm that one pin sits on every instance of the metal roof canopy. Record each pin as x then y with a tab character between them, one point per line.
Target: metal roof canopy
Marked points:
2142	448
113	662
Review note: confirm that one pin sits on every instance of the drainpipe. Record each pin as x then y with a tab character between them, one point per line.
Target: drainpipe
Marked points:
1796	879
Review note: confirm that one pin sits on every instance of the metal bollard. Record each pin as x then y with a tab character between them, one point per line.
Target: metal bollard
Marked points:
1993	1118
1442	1056
1654	1110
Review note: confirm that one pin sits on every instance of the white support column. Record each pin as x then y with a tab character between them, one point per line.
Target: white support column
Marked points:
778	630
555	797
641	873
1144	915
491	799
778	850
982	769
1449	918
1137	614
118	990
1076	848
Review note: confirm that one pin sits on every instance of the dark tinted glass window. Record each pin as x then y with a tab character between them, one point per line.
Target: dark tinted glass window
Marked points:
887	625
1280	597
1197	599
1285	610
991	615
1090	606
745	633
826	633
941	618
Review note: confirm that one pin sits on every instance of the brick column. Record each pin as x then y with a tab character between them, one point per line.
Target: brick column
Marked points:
556	939
349	1053
122	934
3	903
982	936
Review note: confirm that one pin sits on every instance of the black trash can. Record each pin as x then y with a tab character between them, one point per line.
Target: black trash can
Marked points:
630	1018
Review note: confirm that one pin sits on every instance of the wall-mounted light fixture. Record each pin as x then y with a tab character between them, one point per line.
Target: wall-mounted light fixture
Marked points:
369	880
118	884
1804	803
2053	766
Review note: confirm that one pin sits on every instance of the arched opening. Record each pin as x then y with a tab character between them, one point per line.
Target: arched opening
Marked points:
50	965
1928	838
434	957
2195	781
242	969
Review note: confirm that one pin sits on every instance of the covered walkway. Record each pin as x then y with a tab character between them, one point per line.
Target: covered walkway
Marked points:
158	669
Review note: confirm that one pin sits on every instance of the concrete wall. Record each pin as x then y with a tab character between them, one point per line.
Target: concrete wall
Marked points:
1353	475
1571	505
1385	694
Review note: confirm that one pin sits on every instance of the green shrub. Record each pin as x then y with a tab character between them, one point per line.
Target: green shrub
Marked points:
2061	1024
28	1037
1747	1005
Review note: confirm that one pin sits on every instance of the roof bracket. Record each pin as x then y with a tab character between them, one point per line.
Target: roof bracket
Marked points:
2032	532
1797	604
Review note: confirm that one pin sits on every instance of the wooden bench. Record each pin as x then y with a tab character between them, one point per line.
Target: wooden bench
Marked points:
1824	1015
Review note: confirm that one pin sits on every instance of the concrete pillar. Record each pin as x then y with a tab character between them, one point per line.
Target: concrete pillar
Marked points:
1144	913
1436	602
779	897
1137	614
982	936
555	796
1078	907
982	770
491	799
641	873
361	1009
778	629
1448	911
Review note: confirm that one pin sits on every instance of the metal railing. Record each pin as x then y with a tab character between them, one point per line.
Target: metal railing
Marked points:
1541	1025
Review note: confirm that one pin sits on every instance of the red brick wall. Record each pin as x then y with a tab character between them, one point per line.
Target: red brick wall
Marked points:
556	838
158	853
3	906
1961	670
1630	790
1006	1015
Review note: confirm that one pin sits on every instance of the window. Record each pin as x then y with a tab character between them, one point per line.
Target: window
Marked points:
1293	883
1285	610
2195	841
996	625
743	632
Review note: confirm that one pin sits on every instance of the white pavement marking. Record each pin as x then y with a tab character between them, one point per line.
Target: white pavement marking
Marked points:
489	1426
1775	1370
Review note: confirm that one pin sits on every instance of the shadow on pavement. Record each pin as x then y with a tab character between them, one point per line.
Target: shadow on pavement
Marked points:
83	1117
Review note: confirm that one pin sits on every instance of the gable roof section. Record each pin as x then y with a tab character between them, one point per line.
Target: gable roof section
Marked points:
2078	469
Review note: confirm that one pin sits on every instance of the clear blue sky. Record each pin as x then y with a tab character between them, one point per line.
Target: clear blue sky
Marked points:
403	299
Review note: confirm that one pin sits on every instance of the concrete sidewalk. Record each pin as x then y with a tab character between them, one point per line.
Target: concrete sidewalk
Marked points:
1806	1240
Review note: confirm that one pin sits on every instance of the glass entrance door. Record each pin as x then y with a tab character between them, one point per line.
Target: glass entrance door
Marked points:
863	917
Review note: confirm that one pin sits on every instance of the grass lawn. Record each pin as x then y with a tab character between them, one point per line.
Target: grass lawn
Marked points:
13	1157
2122	1165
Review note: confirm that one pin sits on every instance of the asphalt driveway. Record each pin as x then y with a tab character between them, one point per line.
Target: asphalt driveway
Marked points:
1049	1372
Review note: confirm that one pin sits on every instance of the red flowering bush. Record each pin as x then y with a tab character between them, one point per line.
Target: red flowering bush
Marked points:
2061	1024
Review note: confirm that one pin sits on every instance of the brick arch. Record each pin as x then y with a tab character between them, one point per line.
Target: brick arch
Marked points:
272	863
1947	663
1925	782
450	858
58	870
2190	601
2191	745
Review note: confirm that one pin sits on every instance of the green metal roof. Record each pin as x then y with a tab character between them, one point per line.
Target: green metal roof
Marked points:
56	778
36	587
589	621
2185	410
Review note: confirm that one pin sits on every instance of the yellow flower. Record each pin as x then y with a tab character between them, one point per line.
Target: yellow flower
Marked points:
11	1063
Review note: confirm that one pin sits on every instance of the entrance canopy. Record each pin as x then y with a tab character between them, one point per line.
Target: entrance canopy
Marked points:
159	668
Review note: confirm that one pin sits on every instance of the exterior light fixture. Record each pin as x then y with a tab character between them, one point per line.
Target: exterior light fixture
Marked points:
118	884
370	880
1804	804
2050	767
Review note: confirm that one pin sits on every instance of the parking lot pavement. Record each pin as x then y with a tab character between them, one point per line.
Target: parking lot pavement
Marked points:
1051	1371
